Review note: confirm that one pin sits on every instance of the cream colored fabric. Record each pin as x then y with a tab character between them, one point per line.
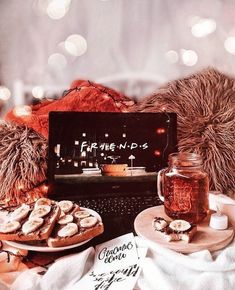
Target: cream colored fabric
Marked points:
163	269
167	270
10	270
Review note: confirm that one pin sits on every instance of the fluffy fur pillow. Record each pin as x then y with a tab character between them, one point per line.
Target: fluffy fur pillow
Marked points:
22	164
205	106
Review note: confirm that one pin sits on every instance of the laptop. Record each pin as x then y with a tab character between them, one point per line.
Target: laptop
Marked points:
109	161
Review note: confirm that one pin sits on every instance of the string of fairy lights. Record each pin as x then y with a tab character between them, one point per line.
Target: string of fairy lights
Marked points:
24	258
75	45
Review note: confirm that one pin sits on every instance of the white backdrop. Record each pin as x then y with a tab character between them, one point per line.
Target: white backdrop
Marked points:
157	40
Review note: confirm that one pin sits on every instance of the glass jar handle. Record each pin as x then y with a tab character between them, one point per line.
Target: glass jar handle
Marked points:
159	184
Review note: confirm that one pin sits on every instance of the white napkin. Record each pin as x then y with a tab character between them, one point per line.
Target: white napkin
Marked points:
60	276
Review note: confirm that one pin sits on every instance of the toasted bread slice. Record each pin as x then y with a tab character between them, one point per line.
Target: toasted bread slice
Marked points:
77	238
41	233
82	233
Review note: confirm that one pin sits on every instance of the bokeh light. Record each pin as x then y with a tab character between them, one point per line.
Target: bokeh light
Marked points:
161	131
172	56
45	188
76	45
189	57
157	153
203	27
22	111
229	44
57	9
57	61
5	93
38	92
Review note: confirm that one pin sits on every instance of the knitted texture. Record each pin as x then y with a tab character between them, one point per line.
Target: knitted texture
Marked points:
83	96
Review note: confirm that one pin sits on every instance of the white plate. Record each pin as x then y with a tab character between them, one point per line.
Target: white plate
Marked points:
25	246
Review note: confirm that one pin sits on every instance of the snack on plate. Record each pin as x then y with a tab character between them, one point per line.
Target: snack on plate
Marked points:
159	224
60	223
175	230
30	222
67	206
74	228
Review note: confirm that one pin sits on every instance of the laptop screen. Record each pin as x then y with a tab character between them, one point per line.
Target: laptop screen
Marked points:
81	143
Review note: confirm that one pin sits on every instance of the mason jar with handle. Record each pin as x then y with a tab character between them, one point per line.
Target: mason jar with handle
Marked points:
184	187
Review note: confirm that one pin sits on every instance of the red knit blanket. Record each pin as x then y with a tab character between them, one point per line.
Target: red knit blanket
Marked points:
83	96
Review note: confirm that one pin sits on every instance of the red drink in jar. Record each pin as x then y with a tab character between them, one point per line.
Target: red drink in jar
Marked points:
185	187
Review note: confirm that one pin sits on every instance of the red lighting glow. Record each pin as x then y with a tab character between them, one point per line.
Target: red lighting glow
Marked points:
45	188
161	130
157	153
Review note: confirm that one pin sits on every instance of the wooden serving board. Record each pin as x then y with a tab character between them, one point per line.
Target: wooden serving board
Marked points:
206	238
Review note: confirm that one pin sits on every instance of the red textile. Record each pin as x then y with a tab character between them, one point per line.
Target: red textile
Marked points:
83	96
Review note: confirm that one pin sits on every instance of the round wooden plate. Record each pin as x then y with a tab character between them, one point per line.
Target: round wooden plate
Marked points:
206	238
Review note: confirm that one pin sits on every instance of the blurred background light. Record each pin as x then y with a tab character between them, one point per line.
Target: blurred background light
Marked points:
76	45
172	56
22	111
189	57
5	93
57	61
203	27
57	9
38	92
229	44
132	46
